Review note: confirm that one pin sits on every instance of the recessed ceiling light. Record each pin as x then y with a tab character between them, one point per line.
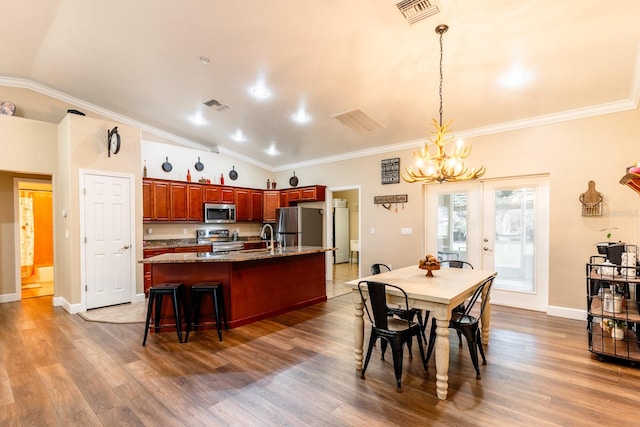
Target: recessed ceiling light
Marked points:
272	150
198	119
204	60
300	117
515	78
238	136
260	92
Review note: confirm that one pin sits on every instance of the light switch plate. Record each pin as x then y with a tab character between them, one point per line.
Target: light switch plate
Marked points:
406	231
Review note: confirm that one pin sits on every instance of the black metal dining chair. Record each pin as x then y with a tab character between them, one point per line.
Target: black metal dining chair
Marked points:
410	314
467	325
392	331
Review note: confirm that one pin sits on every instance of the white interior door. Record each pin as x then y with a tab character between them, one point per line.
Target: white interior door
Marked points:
498	225
107	242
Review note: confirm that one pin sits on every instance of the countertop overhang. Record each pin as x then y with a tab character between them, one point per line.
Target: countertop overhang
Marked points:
234	256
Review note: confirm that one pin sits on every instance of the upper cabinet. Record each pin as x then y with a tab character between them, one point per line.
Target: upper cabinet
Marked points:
270	202
177	201
314	193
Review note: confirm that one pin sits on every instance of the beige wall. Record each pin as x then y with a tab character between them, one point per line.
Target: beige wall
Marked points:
571	153
83	147
28	146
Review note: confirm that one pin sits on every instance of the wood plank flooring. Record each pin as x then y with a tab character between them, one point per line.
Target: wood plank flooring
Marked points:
297	369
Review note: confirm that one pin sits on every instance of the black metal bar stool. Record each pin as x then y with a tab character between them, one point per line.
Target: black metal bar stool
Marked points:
156	294
197	291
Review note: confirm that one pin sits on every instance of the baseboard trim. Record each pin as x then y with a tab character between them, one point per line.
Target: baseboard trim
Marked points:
69	308
567	313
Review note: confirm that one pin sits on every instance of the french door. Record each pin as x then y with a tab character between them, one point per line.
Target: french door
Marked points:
500	225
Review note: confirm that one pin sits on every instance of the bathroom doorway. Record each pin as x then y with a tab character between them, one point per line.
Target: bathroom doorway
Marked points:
35	209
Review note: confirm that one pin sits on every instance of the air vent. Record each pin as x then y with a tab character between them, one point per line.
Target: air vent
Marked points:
358	121
416	10
217	105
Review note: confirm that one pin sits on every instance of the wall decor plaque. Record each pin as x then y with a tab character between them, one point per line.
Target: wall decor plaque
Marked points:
390	171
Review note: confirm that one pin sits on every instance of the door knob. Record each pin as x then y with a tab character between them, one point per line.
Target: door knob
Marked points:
126	247
485	240
486	248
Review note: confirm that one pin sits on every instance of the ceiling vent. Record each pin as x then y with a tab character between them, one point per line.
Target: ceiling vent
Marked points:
217	105
358	121
416	10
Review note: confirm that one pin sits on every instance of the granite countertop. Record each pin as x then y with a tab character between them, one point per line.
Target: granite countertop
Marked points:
233	256
185	243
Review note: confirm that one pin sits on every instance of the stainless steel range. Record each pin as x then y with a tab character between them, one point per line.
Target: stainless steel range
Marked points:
219	239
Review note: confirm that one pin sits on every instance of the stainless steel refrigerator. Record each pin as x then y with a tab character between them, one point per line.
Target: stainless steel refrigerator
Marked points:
298	226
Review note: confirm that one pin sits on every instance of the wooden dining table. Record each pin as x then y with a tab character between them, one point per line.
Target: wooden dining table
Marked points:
439	294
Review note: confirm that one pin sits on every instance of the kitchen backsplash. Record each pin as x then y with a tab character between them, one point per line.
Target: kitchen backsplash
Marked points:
159	231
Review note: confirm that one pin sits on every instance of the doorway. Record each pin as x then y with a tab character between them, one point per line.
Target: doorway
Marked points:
497	225
344	234
35	210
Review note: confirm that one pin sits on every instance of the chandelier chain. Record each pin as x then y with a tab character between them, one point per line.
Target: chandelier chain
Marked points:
441	78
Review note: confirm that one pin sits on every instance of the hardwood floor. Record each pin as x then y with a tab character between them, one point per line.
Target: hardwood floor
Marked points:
297	369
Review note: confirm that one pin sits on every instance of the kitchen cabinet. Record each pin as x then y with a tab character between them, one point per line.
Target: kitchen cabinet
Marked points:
227	195
147	201
284	199
179	202
248	204
211	194
194	202
613	303
165	201
161	201
147	253
255	197
315	193
270	202
257	244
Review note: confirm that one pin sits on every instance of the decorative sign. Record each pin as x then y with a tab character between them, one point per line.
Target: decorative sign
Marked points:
395	198
390	171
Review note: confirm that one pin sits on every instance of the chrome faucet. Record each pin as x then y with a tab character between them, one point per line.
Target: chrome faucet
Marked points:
262	235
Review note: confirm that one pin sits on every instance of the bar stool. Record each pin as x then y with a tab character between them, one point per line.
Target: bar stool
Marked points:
156	294
197	291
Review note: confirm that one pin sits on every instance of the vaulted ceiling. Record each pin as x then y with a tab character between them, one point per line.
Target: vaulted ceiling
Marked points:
507	64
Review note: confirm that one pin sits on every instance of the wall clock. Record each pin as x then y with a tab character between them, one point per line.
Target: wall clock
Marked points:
113	141
7	108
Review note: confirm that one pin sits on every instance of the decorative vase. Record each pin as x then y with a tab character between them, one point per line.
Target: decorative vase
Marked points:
617	333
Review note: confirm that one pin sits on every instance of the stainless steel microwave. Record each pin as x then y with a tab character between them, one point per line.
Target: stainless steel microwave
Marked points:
218	214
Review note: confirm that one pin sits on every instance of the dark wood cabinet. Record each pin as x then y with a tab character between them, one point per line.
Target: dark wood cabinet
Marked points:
248	204
242	204
270	202
227	195
175	201
255	200
179	202
147	253
211	194
315	193
194	200
147	201
161	205
284	199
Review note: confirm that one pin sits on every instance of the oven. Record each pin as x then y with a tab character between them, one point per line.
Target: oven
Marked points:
219	240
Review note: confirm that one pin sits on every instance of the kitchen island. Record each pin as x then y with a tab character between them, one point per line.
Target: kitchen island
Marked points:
257	284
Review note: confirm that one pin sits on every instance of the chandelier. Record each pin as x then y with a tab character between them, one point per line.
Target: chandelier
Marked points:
437	165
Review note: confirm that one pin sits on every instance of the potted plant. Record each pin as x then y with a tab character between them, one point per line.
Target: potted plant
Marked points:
616	327
602	246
